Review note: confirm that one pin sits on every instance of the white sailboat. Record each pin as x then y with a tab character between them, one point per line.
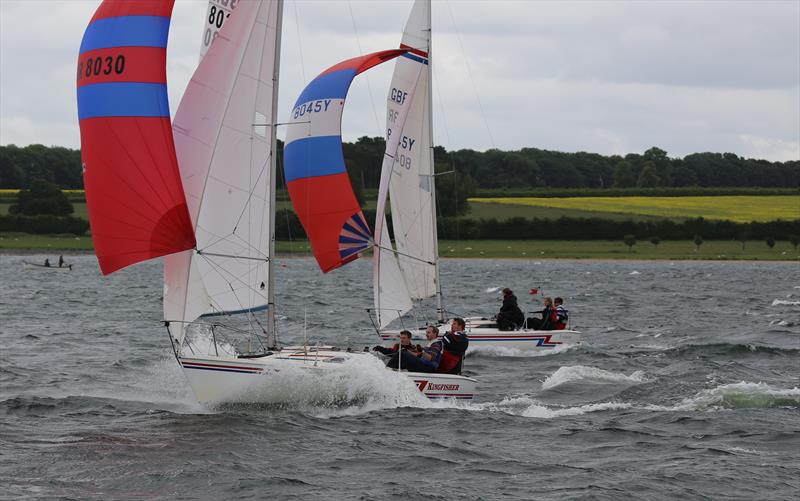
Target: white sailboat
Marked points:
208	202
408	180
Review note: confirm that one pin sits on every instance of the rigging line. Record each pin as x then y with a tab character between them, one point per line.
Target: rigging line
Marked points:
280	123
214	254
230	285
252	190
299	43
366	77
224	238
469	73
393	251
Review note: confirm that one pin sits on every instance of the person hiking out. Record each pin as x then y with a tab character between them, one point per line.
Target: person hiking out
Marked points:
425	360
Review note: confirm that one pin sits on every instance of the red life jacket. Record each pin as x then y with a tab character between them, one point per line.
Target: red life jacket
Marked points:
449	362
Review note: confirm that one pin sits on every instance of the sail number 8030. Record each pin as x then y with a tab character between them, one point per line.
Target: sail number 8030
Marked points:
101	65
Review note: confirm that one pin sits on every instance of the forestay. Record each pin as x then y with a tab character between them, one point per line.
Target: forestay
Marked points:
136	204
314	165
223	139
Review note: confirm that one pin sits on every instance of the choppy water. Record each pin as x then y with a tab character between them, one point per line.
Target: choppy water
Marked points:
686	386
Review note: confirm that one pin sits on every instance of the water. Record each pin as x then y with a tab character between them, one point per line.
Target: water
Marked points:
686	386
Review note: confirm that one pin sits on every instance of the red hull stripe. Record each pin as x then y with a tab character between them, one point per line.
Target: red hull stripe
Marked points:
449	395
126	31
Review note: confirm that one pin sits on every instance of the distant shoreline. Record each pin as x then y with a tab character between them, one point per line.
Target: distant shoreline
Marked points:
297	255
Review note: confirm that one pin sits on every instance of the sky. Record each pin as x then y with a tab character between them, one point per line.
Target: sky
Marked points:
609	77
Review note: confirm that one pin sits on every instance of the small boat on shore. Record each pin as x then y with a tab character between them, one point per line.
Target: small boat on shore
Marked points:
45	267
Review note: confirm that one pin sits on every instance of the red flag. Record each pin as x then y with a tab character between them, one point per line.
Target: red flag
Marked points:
534	291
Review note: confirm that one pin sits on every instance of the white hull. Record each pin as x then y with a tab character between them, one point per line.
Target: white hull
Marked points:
35	266
484	334
273	378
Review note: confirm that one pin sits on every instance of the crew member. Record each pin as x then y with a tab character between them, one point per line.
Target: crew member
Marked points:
425	360
547	322
405	343
562	314
510	317
455	345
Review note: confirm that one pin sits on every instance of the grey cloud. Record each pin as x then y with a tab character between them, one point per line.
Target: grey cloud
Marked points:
610	77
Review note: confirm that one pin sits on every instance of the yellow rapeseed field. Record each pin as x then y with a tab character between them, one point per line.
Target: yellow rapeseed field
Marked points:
741	209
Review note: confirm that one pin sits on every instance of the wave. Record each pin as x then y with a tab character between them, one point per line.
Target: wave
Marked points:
504	351
727	349
784	302
357	386
589	374
743	395
528	407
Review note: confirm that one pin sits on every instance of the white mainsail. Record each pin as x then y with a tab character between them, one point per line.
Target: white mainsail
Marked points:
411	177
224	140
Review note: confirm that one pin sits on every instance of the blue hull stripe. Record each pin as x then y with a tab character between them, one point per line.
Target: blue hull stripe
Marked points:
415	57
218	369
126	31
332	85
235	312
123	99
313	157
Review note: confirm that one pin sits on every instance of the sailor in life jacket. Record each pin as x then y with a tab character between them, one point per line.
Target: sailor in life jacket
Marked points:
455	345
425	360
562	314
405	343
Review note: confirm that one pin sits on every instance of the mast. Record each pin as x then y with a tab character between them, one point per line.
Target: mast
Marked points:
439	299
272	339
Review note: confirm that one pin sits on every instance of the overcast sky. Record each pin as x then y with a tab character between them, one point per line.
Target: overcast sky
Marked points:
605	77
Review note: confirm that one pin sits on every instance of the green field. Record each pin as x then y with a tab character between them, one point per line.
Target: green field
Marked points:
606	249
522	249
26	241
741	209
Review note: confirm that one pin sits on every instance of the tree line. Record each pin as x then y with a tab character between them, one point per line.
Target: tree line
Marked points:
288	227
519	169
